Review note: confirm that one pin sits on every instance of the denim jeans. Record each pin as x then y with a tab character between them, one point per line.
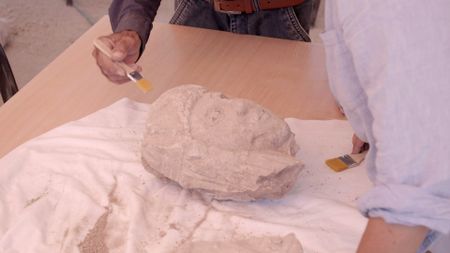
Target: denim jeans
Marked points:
285	23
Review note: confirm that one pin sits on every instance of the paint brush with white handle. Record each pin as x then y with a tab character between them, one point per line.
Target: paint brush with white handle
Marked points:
344	162
134	75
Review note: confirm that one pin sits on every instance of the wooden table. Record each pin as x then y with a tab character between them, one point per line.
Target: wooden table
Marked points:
288	77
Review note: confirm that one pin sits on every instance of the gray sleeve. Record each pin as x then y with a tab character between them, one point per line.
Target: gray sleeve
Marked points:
135	15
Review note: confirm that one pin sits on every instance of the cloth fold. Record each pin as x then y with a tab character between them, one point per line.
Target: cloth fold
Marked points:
81	187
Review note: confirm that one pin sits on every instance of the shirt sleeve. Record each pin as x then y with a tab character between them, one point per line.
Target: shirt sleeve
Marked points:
400	51
135	15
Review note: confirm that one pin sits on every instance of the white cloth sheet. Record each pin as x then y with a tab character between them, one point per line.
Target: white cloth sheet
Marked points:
81	186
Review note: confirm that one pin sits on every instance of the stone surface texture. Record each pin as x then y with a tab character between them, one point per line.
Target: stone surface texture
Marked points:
226	148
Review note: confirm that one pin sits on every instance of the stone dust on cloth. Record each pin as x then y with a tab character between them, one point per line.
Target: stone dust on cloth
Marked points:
81	187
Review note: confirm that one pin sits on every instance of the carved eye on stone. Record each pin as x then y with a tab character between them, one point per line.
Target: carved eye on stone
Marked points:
241	108
257	115
214	115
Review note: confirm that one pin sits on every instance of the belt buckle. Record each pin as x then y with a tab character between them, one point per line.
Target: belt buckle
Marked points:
217	8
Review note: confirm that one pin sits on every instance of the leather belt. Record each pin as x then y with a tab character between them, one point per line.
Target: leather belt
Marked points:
248	6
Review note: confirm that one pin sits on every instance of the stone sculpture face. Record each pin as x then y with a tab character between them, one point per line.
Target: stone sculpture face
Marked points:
229	148
234	123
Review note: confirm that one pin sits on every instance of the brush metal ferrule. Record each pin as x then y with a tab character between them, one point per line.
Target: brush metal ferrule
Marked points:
348	160
134	76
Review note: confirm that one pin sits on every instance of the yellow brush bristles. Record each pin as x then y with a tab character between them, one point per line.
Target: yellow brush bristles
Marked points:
336	164
144	85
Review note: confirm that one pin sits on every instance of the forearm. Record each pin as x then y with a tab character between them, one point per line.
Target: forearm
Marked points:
135	15
380	236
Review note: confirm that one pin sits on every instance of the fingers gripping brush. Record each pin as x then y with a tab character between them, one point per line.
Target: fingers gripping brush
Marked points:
134	75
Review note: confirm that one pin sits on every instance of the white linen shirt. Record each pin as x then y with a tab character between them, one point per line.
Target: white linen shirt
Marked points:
388	65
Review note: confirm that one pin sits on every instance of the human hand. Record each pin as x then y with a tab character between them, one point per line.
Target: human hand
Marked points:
125	48
359	146
380	236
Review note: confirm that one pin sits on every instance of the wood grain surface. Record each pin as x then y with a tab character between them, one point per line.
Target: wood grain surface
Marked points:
287	77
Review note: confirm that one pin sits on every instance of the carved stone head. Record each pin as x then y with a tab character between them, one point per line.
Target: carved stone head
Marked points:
230	148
